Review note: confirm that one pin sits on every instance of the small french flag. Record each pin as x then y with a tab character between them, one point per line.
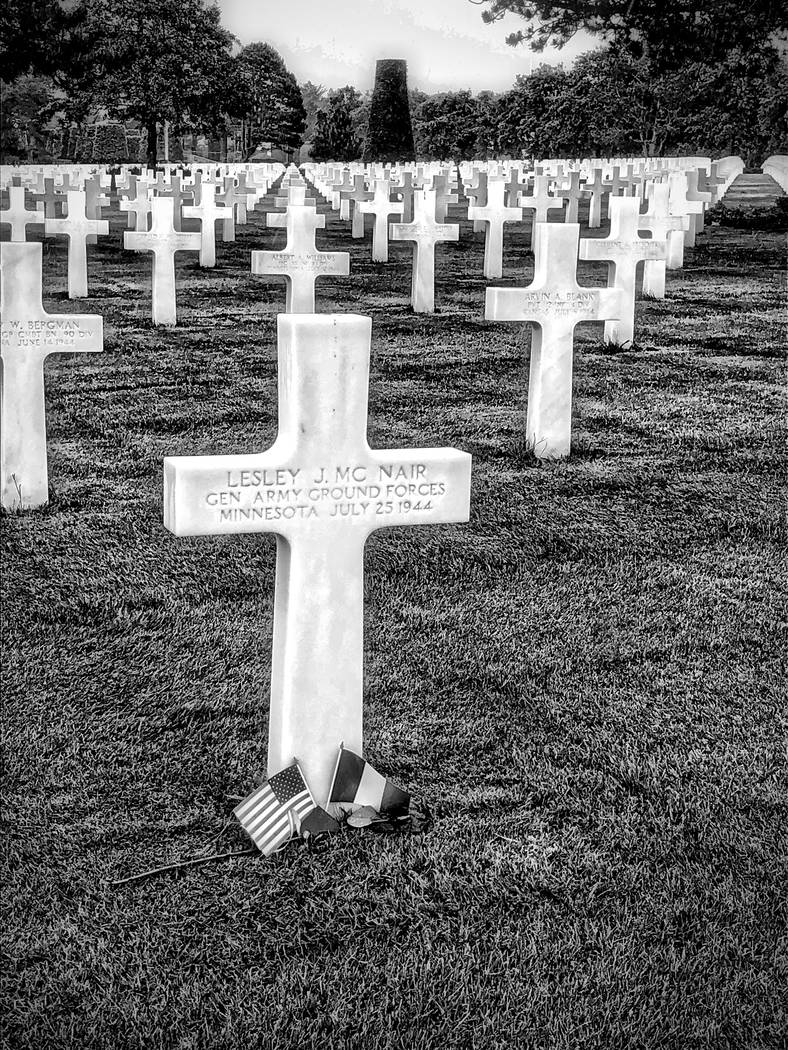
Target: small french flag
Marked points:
356	784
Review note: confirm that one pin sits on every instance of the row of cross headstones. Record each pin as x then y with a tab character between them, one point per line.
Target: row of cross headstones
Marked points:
554	302
155	221
320	488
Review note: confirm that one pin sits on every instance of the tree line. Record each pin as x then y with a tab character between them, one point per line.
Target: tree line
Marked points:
147	61
670	76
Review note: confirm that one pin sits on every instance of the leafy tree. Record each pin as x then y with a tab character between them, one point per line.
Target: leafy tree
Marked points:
272	103
612	103
148	60
738	106
446	126
487	106
42	37
667	32
28	105
532	117
335	134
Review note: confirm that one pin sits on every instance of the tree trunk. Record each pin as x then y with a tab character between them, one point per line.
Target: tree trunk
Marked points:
151	130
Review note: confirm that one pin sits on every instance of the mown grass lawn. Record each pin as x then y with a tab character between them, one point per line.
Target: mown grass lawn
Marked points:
582	686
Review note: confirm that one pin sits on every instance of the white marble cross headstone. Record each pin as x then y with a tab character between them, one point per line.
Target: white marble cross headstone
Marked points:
494	214
443	196
681	207
477	193
555	302
594	189
341	189
322	490
541	201
357	195
18	216
299	261
425	231
78	228
28	334
139	209
381	206
208	212
95	200
404	189
571	193
163	240
662	226
695	196
623	249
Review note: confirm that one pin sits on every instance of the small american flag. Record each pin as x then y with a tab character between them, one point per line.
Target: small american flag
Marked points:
269	814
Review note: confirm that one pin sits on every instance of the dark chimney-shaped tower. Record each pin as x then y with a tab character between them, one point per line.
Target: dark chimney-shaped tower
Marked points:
389	132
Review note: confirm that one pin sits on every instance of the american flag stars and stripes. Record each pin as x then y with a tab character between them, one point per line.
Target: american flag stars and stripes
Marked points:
272	813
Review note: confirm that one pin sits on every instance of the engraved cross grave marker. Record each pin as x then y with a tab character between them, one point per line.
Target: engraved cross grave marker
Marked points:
622	249
321	490
494	214
78	228
662	226
164	241
300	261
27	336
555	302
18	216
381	206
208	211
425	231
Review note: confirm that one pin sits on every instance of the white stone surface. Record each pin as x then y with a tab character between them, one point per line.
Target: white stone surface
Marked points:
208	212
555	303
300	262
425	231
18	216
661	225
623	249
78	228
382	207
493	215
28	334
594	189
322	490
681	206
541	201
163	241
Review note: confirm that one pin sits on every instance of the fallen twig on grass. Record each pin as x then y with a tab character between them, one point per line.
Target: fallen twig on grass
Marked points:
183	864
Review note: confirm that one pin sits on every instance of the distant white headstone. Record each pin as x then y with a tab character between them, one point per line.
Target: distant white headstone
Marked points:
78	228
382	207
28	334
164	241
555	302
425	231
662	226
541	201
494	214
623	249
300	262
18	216
208	211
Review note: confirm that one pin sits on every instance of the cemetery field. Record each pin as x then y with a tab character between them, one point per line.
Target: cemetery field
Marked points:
583	687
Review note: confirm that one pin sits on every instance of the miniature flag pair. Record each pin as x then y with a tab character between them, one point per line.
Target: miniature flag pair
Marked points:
283	806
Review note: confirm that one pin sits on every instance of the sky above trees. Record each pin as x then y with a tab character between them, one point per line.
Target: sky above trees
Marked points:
445	42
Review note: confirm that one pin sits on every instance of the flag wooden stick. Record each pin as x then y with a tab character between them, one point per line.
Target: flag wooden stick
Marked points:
184	864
